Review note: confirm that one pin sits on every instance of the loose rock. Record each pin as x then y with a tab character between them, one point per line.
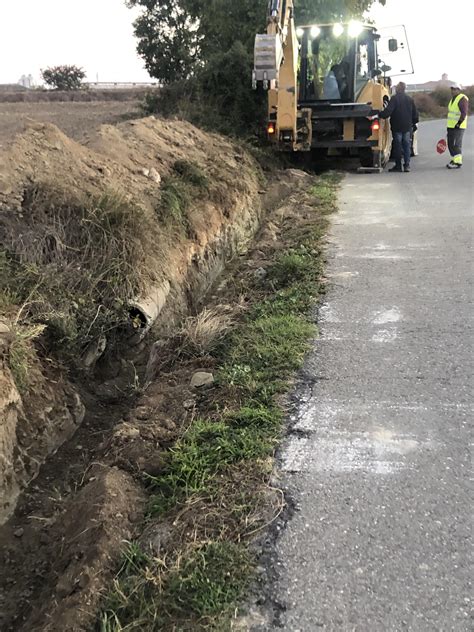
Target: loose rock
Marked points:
201	379
154	175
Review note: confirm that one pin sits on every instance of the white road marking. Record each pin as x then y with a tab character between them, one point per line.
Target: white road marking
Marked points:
386	335
327	314
387	316
335	446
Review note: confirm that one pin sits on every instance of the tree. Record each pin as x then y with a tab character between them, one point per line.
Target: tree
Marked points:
176	38
208	45
309	11
223	22
64	77
168	39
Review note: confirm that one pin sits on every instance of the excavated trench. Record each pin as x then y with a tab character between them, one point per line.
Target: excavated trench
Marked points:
65	209
78	495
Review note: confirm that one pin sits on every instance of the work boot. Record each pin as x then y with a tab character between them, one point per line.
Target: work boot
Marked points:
454	165
396	169
406	169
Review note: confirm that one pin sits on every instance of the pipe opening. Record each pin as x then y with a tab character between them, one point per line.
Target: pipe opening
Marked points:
138	318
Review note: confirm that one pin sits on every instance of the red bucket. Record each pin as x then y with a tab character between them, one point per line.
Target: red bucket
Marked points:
441	146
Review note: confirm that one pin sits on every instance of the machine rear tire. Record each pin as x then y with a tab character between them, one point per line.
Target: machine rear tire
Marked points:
369	159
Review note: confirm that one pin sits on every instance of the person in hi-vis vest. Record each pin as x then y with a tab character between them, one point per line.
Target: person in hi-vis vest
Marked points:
457	124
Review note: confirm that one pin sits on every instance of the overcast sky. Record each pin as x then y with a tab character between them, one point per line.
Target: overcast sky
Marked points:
98	35
94	34
439	34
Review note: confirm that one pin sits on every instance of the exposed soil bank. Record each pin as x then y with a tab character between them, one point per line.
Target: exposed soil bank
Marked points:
64	542
179	258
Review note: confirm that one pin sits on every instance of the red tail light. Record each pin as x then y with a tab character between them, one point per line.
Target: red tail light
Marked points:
375	126
271	129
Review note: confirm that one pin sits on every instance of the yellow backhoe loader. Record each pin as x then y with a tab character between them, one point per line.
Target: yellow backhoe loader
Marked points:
325	80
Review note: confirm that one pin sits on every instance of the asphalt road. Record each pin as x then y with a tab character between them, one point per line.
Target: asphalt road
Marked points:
379	459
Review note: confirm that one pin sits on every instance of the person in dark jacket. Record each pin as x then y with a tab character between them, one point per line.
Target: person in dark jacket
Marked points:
403	120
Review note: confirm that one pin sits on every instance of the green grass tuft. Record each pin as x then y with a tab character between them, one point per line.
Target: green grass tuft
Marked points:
205	584
192	174
218	468
290	268
175	200
210	581
209	448
263	353
178	190
22	354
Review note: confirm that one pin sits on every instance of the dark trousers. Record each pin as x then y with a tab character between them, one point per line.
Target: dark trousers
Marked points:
401	146
455	137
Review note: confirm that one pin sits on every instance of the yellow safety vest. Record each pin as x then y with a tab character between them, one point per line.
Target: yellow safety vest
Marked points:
454	112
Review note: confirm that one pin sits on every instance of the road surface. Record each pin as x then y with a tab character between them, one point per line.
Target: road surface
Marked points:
378	461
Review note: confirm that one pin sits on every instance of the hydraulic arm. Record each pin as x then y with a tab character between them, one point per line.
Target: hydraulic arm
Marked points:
271	48
276	69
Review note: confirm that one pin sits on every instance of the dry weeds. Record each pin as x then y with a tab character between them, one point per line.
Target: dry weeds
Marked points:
202	333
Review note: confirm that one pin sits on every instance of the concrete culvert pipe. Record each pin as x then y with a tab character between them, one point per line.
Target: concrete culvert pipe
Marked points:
145	310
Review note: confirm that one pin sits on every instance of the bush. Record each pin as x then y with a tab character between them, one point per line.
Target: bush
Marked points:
441	96
218	98
427	106
469	92
435	104
64	77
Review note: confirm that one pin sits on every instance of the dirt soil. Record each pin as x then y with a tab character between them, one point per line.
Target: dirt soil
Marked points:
77	120
62	546
130	161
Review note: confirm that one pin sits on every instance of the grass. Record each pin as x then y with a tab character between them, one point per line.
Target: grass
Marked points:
186	183
22	355
268	349
209	448
74	264
202	333
205	582
213	488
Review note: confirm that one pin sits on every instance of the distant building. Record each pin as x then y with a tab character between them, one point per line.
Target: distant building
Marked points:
431	86
27	81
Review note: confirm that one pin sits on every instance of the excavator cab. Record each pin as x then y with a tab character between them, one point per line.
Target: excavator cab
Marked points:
335	69
340	82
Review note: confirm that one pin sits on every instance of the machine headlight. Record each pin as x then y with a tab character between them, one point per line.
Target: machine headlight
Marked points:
355	28
315	32
338	30
299	33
